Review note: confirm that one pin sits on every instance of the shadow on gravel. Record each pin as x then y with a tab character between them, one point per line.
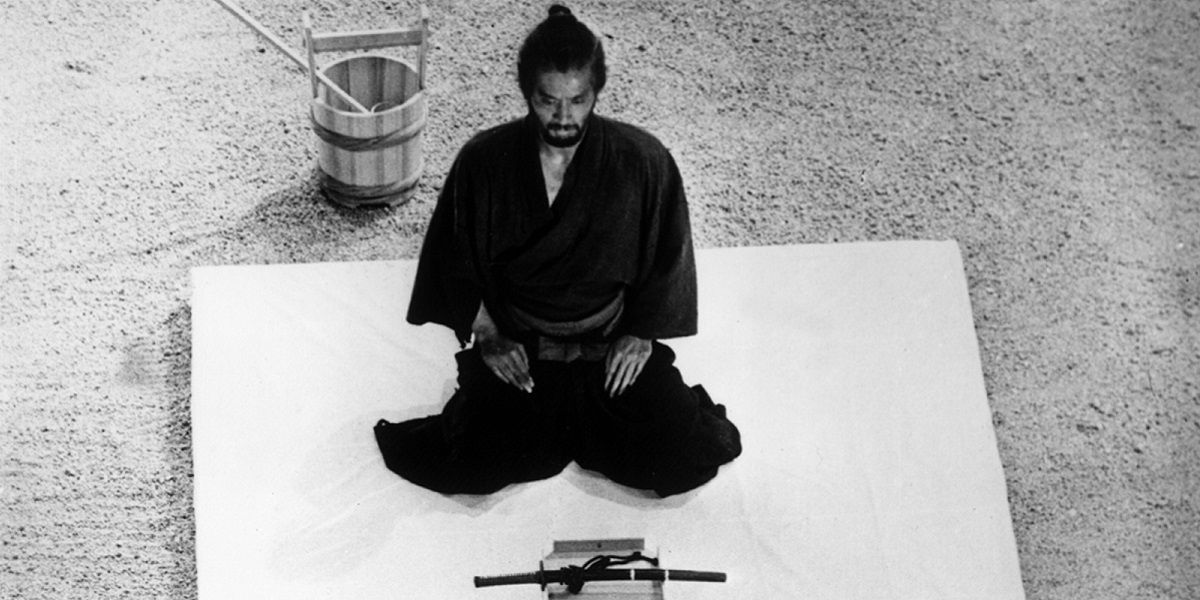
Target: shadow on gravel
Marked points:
299	224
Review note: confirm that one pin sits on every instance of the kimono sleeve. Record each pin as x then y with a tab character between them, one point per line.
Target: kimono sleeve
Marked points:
662	304
448	289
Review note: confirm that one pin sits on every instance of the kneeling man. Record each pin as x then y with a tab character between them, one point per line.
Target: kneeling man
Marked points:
560	245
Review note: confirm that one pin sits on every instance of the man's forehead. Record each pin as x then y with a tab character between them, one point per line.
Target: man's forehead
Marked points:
564	84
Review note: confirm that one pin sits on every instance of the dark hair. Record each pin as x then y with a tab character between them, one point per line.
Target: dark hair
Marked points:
560	43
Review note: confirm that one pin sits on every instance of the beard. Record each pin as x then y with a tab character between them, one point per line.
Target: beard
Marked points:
561	136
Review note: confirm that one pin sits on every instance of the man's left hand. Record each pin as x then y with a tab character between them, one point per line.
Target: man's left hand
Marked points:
624	363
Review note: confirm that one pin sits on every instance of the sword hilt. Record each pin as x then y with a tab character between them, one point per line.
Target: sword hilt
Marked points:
538	577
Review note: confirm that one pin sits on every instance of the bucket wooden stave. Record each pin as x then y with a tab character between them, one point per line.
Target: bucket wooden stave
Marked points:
372	158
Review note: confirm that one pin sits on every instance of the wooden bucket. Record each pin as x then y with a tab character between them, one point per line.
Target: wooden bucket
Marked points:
371	158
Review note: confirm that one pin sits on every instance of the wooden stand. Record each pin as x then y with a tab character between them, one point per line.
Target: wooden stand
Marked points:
576	552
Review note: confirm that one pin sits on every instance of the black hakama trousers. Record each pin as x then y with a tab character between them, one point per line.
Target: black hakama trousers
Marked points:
659	434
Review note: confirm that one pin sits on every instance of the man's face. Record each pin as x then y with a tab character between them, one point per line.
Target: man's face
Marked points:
562	102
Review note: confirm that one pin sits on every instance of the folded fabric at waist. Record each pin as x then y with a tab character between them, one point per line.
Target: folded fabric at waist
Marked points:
602	321
564	341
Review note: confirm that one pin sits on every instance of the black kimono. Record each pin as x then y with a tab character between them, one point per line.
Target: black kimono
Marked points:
611	256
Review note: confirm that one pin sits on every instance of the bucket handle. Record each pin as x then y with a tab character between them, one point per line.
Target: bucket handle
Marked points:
367	40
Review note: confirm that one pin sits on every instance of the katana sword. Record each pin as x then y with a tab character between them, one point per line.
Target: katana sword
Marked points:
575	577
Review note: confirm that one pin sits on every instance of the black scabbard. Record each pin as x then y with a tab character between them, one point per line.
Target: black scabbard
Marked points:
544	577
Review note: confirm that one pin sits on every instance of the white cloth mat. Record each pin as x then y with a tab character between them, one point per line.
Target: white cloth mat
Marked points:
870	467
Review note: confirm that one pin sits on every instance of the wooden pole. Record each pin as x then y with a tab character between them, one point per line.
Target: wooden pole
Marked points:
312	54
424	44
282	47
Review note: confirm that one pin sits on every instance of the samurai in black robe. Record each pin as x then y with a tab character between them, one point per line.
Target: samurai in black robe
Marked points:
565	277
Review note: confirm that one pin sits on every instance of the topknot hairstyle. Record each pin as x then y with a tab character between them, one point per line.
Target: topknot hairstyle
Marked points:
560	43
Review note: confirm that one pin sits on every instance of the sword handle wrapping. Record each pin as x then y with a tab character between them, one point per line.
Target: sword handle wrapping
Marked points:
506	579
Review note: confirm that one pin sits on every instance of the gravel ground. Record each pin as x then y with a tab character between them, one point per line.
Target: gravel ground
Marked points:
1058	142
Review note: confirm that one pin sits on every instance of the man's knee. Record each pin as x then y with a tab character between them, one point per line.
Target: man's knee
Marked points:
658	399
661	357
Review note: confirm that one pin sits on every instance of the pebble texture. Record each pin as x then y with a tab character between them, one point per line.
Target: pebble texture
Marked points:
1057	141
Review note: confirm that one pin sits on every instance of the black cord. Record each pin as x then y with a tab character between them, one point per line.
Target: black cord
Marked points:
575	576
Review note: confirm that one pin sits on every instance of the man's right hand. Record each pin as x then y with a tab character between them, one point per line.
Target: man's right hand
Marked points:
504	357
